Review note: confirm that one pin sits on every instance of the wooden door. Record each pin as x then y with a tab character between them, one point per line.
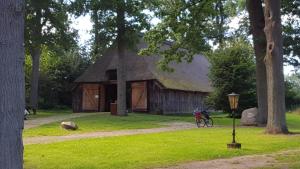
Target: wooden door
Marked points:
139	96
90	97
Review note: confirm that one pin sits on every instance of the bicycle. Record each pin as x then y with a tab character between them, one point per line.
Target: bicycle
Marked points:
203	119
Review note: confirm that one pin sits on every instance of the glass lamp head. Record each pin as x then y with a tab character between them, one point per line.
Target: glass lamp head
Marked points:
233	100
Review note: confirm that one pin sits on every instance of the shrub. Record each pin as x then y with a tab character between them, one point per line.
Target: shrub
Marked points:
232	70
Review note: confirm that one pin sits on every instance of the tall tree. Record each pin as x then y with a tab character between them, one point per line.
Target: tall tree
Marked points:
121	22
257	22
12	100
291	32
187	24
121	70
46	24
274	67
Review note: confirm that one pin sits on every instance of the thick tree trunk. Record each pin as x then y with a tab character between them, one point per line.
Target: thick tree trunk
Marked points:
257	22
121	70
35	55
96	32
274	65
12	91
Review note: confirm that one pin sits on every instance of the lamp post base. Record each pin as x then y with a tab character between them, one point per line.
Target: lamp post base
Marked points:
234	145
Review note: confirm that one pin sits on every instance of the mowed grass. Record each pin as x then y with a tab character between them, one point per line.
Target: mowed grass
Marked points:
106	122
159	149
49	113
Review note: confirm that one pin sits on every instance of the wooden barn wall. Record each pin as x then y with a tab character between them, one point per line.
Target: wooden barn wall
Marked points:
77	99
102	97
165	101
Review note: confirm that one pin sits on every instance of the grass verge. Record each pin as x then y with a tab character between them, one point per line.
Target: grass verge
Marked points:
49	113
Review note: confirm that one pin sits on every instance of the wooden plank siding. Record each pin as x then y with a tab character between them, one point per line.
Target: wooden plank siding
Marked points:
77	99
88	97
139	96
166	101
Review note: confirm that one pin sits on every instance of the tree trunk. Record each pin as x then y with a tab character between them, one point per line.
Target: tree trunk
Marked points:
257	22
12	90
121	70
35	55
220	18
274	66
96	33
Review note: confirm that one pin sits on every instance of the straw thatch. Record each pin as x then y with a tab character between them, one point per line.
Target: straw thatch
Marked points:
187	76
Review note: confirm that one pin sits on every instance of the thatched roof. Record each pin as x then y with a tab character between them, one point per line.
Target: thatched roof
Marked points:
187	76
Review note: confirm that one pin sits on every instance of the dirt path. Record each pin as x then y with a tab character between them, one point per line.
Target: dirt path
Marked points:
51	139
243	162
45	120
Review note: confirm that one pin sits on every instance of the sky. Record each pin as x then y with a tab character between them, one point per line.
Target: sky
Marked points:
84	25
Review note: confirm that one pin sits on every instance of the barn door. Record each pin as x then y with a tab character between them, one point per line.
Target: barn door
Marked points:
90	97
139	96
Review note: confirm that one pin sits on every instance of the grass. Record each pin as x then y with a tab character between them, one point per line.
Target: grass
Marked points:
153	150
160	149
48	113
106	122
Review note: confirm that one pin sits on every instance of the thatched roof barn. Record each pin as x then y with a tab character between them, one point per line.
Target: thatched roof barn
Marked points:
148	88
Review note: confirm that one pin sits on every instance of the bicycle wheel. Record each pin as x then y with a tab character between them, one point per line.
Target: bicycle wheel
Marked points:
197	123
201	122
209	122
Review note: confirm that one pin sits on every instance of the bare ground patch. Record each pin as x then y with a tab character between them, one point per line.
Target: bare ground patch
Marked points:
243	162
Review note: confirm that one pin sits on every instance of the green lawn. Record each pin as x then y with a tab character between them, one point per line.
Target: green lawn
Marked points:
106	122
48	113
159	149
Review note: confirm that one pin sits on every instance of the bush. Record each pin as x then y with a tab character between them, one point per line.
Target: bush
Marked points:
57	74
232	70
292	92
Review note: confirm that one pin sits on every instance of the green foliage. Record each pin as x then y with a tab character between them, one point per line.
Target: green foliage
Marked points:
104	17
291	32
292	92
46	23
157	150
189	26
57	74
232	70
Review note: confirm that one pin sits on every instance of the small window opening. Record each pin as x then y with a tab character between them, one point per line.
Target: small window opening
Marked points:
111	74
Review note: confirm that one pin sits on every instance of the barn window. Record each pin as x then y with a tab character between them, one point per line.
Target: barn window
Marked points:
111	74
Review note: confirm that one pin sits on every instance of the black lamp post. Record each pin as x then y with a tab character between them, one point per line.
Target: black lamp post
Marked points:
233	100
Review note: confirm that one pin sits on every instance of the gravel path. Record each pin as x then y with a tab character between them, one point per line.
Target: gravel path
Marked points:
31	123
51	139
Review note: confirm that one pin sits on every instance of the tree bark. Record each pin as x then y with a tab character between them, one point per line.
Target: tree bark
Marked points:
220	22
274	66
35	55
96	32
257	23
121	70
12	90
